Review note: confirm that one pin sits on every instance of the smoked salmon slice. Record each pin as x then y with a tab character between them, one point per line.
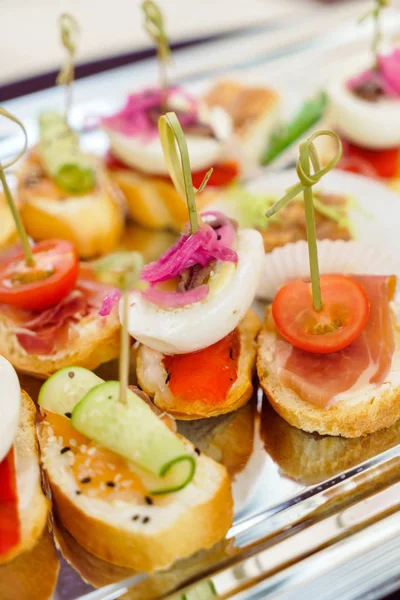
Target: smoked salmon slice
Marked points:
320	378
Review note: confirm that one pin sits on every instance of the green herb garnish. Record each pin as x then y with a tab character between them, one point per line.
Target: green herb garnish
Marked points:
178	163
375	13
309	114
62	157
154	25
30	262
122	270
308	154
69	30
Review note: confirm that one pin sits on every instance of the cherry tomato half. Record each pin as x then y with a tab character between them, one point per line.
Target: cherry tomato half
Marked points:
343	317
43	285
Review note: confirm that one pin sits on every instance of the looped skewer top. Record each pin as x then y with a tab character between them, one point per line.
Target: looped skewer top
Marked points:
10	117
178	164
308	156
154	24
70	31
7	192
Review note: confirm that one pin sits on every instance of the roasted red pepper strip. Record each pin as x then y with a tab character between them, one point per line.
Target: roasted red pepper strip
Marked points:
223	173
9	521
383	163
206	375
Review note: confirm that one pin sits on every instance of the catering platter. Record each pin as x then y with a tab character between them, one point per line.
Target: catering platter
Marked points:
312	513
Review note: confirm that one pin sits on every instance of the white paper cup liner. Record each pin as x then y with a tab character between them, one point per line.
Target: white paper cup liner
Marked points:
291	262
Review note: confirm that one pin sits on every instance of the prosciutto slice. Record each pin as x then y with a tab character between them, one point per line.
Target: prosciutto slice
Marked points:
50	330
320	378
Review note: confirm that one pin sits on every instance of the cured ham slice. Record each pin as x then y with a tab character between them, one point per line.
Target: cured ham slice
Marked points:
320	378
9	520
50	330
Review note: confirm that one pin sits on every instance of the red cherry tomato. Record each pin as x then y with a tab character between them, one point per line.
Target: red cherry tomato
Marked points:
43	285
343	317
223	173
385	163
9	520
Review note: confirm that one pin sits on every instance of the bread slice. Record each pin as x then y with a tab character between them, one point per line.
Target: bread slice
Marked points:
371	411
98	341
255	112
152	376
153	202
311	458
32	575
93	222
32	504
140	536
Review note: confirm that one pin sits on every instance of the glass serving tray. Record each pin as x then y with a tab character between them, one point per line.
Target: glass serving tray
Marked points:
313	515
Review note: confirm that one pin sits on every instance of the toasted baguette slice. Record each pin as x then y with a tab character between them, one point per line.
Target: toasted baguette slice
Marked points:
372	411
137	535
152	376
254	111
310	458
93	222
153	202
32	504
98	342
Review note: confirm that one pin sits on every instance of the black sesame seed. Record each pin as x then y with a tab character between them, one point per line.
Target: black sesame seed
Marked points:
68	415
230	379
145	520
65	449
218	237
168	377
86	480
110	484
198	451
71	374
78	492
135	518
110	397
148	500
231	353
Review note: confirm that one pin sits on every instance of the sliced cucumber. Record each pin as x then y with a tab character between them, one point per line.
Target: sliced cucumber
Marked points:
204	590
63	390
133	431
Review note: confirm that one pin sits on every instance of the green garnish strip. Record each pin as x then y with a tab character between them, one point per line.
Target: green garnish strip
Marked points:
30	261
309	114
308	153
178	164
69	30
168	466
62	157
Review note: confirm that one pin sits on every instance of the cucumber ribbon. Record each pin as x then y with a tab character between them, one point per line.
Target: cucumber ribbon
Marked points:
62	157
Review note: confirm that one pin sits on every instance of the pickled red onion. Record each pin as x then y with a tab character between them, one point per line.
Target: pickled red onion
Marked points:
201	248
109	302
134	119
387	77
176	299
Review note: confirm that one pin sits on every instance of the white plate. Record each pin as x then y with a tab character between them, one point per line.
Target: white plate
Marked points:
376	220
